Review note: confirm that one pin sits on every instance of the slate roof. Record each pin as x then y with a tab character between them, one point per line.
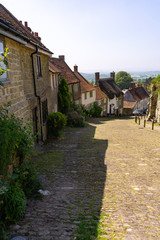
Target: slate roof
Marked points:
109	87
11	24
100	94
85	85
65	70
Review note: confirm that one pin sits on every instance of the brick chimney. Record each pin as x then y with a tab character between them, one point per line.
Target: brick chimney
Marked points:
26	24
75	68
97	75
62	57
133	85
112	75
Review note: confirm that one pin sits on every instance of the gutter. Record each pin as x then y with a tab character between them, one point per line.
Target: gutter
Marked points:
35	90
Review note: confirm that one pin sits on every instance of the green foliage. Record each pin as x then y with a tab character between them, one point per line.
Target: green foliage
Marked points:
3	62
74	119
27	179
56	122
15	139
95	110
64	98
3	234
123	79
155	86
15	203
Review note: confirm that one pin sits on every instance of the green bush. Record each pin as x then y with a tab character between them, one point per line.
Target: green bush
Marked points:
95	110
74	119
15	139
15	203
27	179
56	122
64	97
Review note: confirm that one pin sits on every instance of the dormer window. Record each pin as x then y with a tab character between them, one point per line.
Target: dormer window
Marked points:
38	65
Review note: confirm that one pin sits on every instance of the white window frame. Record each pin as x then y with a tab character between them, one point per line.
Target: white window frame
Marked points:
38	66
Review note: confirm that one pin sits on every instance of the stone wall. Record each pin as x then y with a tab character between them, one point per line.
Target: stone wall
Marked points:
19	88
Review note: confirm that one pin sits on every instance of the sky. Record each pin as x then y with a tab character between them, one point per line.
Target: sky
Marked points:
96	35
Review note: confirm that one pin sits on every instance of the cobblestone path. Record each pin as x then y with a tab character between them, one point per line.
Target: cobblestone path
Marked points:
104	185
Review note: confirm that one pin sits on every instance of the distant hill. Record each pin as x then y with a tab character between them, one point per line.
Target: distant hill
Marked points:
135	75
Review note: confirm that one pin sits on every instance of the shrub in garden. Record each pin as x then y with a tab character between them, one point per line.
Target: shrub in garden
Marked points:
74	119
95	110
56	123
27	179
15	203
16	140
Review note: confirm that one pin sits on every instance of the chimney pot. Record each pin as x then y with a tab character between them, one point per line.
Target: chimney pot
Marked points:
97	78
36	34
20	21
75	68
26	24
62	57
133	84
112	75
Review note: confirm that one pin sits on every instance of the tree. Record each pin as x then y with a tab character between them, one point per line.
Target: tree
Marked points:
64	97
123	79
3	63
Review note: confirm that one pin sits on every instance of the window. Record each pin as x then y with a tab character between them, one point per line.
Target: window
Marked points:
91	94
44	111
85	95
38	65
4	75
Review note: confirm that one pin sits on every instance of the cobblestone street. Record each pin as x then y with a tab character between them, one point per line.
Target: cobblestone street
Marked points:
104	185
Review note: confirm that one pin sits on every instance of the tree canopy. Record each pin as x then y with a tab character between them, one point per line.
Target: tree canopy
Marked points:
123	79
3	63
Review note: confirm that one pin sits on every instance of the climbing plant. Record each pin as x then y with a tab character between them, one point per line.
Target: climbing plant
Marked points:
3	63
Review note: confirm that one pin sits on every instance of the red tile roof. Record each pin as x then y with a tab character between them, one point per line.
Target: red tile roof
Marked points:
127	104
85	85
53	69
66	72
100	94
10	23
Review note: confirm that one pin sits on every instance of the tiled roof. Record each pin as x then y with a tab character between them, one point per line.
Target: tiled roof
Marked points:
52	68
100	94
10	23
109	87
66	72
127	104
85	85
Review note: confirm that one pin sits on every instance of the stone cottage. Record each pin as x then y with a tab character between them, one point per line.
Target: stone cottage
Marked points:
136	97
88	91
72	80
27	84
113	92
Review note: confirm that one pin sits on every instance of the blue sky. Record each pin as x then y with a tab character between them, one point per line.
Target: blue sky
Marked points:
97	35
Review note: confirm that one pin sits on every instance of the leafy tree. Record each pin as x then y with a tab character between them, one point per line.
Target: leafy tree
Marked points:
92	82
123	79
64	97
3	63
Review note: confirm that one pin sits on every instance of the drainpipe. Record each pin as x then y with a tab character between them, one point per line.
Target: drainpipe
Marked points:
35	90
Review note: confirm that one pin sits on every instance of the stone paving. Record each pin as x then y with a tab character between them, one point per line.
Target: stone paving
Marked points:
106	187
